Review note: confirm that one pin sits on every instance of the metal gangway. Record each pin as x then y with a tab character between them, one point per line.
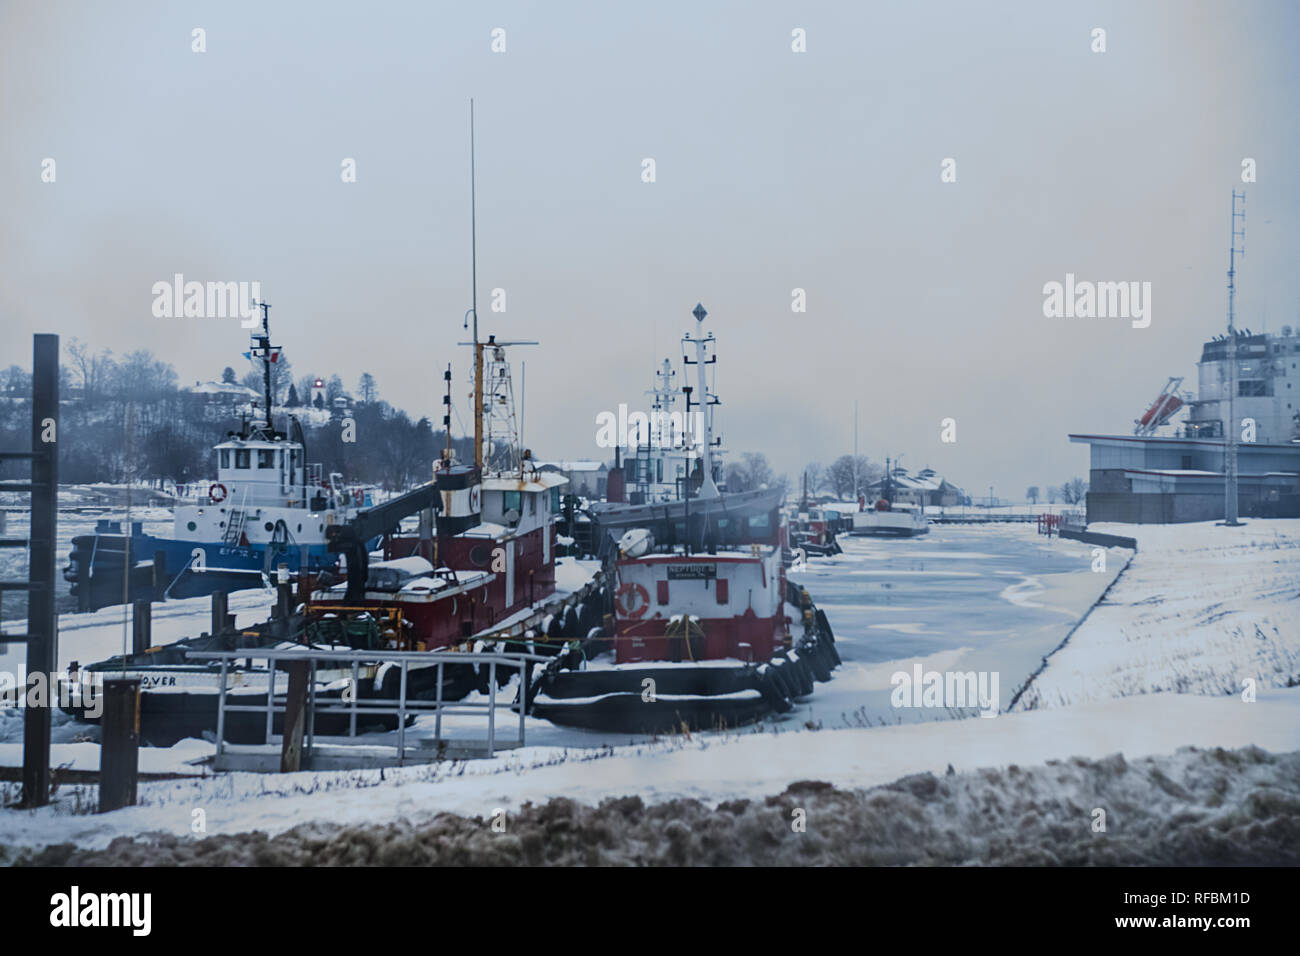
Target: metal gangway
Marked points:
353	751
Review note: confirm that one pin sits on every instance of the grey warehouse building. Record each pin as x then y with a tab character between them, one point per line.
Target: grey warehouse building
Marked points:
1151	480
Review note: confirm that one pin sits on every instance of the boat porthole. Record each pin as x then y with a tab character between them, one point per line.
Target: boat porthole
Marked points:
192	526
300	527
269	526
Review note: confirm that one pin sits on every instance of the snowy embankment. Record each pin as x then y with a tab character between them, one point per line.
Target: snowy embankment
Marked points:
1199	610
752	765
1195	807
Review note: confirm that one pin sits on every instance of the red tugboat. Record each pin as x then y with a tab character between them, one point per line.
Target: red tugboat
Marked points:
492	560
704	636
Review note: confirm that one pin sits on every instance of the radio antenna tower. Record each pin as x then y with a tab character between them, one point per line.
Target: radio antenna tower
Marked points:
1230	423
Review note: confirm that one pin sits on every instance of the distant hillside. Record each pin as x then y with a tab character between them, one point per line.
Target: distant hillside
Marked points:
129	418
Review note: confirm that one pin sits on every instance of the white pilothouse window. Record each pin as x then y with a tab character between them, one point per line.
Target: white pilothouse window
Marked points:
241	458
225	458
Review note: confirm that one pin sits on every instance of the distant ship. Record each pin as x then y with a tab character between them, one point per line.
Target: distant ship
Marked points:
888	519
672	488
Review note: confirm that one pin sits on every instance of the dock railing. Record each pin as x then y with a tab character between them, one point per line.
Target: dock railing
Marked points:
355	707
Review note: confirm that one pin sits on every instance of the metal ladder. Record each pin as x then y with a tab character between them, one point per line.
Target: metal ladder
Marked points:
235	523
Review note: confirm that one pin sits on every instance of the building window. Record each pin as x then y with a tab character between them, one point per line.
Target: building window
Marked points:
1253	388
1187	463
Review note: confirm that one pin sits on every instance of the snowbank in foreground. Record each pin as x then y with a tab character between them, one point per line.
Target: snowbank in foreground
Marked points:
711	769
1199	610
1195	807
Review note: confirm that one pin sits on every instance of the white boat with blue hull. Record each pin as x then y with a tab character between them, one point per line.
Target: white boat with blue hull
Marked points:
267	507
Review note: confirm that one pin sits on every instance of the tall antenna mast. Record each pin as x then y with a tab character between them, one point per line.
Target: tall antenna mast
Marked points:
473	266
708	488
1230	423
265	349
446	418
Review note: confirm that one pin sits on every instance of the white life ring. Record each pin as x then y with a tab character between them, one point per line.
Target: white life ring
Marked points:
633	600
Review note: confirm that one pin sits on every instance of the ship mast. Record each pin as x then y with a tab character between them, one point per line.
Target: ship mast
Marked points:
473	266
708	489
502	390
264	349
1230	421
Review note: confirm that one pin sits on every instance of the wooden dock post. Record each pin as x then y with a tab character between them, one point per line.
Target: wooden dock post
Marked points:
42	620
283	606
295	717
159	572
218	612
119	755
141	626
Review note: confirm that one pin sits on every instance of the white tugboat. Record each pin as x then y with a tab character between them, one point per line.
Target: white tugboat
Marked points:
267	507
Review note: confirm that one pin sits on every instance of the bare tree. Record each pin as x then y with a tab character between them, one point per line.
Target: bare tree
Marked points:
367	390
1031	493
1074	491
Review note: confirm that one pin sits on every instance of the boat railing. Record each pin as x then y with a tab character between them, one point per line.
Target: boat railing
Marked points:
249	497
353	706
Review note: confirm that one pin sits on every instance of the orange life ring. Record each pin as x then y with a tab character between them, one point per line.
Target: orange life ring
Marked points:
217	493
630	607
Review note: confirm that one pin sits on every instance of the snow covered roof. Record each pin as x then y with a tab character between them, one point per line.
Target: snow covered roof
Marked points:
229	389
578	465
540	481
901	479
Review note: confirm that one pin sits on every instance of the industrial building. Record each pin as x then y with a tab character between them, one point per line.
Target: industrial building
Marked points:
1149	478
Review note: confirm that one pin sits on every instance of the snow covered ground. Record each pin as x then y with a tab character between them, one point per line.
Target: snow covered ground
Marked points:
711	769
1197	806
1200	610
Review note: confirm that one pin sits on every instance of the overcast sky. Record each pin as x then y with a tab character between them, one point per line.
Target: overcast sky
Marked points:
775	170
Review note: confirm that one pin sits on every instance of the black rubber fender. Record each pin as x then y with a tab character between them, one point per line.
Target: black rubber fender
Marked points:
782	671
569	624
823	625
803	676
833	654
772	693
815	655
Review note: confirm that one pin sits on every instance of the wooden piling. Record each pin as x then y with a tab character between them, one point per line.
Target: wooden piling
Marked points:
42	620
119	755
295	717
141	626
219	599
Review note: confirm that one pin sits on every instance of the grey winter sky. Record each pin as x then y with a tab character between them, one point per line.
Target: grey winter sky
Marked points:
775	170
